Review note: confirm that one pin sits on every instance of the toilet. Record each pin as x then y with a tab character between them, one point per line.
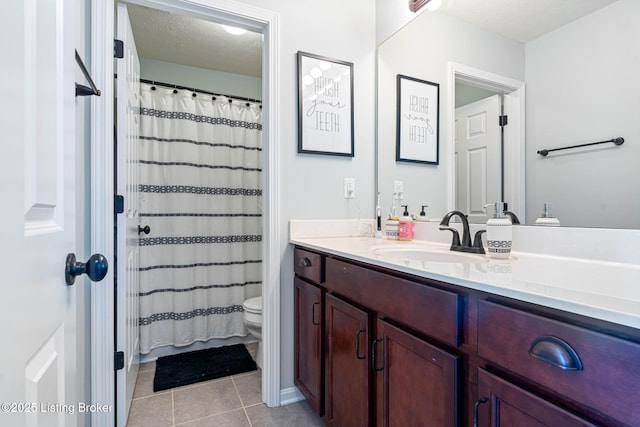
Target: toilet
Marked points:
253	321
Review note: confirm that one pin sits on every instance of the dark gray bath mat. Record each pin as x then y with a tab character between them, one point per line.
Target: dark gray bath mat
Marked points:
202	365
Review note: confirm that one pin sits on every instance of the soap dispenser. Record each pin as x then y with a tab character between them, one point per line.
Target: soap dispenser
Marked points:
499	232
405	226
422	216
547	218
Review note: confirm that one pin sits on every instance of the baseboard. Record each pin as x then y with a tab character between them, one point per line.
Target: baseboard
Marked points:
290	395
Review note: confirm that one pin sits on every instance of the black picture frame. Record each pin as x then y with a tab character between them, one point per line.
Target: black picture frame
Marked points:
325	105
417	121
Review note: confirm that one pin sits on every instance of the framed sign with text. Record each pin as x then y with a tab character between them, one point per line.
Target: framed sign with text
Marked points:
325	105
418	119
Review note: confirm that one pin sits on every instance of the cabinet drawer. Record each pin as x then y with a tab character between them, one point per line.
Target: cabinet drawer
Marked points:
308	265
536	347
433	311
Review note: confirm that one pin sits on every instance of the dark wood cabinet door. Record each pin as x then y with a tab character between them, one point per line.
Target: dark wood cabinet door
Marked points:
347	382
416	382
308	312
508	405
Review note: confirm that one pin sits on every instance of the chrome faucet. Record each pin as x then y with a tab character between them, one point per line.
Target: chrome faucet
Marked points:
465	246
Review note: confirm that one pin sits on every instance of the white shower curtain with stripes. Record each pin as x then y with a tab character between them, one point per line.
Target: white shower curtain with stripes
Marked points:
201	195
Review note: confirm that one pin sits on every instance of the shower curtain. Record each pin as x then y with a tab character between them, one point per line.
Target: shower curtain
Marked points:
201	194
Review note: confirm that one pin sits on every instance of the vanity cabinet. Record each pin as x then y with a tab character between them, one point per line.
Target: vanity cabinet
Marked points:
378	368
582	366
415	382
399	349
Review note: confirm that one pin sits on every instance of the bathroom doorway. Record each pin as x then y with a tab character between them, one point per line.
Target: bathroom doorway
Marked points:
473	93
252	18
200	179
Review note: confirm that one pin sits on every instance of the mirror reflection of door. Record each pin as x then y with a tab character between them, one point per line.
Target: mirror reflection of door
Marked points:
478	150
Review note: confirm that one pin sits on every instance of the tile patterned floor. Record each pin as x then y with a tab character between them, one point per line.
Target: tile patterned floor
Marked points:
226	402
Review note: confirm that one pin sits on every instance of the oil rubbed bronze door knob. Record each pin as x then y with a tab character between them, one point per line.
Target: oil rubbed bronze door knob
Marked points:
96	268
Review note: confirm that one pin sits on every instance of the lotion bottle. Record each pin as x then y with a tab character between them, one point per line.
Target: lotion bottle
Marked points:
499	232
547	218
405	226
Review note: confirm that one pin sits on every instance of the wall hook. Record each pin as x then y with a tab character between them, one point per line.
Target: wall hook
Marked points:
82	90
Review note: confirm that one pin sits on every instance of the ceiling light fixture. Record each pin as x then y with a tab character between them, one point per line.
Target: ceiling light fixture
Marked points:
234	30
431	5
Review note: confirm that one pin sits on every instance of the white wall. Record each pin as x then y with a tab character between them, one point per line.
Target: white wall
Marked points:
435	39
391	16
311	185
200	78
583	83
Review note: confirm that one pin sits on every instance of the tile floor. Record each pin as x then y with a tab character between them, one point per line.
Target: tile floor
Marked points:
225	402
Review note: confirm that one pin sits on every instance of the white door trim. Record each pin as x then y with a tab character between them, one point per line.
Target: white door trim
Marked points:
251	17
102	190
514	173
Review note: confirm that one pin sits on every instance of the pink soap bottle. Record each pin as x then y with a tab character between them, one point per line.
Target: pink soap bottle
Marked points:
405	226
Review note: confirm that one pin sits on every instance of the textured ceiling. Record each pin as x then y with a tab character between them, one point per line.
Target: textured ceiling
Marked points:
189	41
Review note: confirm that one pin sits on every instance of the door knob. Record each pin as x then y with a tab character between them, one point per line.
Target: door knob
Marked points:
96	268
146	229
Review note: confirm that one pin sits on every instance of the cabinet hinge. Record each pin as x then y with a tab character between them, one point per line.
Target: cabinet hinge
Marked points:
502	120
118	361
118	204
118	49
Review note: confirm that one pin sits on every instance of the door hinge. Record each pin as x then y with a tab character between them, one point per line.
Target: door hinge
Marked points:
502	120
118	49
118	204
118	361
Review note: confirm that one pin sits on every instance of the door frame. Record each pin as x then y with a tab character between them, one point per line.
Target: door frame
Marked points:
514	161
102	189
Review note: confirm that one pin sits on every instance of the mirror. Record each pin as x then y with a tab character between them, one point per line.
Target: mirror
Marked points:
580	86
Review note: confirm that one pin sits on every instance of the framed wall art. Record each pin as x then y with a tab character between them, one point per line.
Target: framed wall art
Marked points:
418	120
325	105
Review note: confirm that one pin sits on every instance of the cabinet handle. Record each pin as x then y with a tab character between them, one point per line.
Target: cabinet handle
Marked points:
556	352
313	314
304	262
358	344
475	410
374	345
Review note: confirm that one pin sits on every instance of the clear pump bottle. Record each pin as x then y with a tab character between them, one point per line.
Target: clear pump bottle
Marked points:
547	217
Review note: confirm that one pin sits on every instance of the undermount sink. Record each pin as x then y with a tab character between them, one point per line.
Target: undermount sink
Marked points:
411	252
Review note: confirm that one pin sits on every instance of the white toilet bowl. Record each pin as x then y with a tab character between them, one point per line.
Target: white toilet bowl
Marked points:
253	321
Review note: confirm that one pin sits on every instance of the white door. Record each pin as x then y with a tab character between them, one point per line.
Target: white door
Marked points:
128	102
478	152
38	171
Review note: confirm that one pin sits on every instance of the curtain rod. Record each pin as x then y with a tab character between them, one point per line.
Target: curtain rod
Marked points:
174	86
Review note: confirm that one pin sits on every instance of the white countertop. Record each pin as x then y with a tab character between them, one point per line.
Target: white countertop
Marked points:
603	290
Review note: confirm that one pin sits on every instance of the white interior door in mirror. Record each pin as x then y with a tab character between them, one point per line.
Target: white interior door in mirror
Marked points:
477	153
